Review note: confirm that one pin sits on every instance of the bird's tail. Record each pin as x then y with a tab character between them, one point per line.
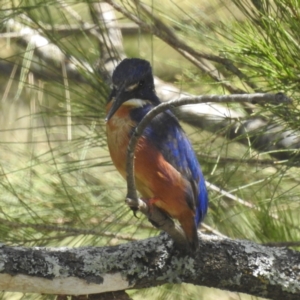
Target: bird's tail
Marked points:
190	229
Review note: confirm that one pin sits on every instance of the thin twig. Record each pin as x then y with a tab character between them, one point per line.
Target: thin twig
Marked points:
249	161
282	244
69	230
232	197
212	230
71	29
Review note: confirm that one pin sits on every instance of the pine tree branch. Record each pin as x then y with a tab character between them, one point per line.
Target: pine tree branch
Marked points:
283	244
258	161
70	231
234	265
264	135
71	29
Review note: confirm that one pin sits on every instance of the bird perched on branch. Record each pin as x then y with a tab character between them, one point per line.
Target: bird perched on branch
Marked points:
167	172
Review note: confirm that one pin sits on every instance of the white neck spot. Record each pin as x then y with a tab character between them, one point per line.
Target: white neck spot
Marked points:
136	102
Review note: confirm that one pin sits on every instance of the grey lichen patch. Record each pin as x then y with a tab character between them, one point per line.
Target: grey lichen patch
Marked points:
162	260
250	248
136	262
133	263
123	257
97	265
210	238
55	269
170	277
289	280
178	269
263	266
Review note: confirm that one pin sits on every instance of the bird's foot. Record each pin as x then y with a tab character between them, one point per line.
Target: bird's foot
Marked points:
150	202
151	209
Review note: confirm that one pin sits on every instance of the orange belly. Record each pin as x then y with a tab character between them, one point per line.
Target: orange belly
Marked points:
155	177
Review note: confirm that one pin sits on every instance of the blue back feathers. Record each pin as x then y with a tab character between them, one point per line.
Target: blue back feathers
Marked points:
167	135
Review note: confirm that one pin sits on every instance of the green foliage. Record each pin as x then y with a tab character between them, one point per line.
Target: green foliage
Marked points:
58	186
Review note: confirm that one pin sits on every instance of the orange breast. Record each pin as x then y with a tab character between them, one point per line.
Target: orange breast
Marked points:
117	131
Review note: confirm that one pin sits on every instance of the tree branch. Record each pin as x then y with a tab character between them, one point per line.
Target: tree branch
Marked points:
265	135
222	263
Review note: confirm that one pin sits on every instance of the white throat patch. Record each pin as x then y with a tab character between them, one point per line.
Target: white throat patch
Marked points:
136	102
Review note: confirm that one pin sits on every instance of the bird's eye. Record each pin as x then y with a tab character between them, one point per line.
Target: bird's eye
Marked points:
141	83
131	87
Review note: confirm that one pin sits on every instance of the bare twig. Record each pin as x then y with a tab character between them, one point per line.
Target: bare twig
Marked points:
282	244
71	29
68	230
68	102
232	197
267	162
212	230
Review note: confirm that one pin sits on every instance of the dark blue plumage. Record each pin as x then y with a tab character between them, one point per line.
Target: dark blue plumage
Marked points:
167	135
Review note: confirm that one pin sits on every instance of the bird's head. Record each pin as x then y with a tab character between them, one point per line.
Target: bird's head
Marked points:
132	84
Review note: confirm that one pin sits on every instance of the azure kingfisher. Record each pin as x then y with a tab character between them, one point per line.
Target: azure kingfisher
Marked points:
167	172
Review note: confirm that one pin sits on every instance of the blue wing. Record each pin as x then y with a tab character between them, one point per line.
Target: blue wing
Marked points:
167	135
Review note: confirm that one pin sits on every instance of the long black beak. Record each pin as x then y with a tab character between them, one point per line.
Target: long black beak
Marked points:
117	102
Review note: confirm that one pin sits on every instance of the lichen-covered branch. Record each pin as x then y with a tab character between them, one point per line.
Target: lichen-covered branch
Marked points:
240	266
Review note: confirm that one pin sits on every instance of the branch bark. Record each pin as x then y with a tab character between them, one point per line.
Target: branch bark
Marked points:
222	263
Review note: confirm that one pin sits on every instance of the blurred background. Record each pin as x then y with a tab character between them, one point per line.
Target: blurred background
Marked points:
58	186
